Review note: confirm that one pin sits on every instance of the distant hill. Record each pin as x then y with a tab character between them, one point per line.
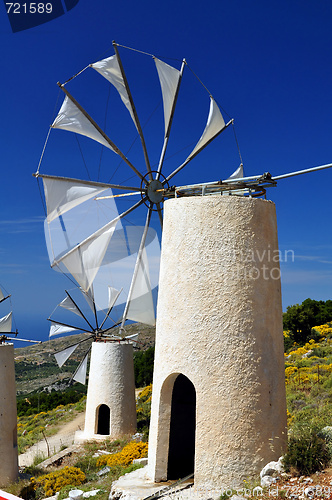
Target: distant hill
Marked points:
36	367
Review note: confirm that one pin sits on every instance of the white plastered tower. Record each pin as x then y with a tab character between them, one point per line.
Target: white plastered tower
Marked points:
110	406
8	417
218	403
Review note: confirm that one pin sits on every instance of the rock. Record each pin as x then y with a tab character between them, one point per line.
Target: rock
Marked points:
91	493
140	461
266	481
272	468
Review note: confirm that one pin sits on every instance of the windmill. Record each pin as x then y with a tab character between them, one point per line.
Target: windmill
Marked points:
193	320
8	412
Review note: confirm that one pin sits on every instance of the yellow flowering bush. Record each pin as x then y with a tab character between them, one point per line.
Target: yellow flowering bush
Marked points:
324	330
145	395
125	457
54	481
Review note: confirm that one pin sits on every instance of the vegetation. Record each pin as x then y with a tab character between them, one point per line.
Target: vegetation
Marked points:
130	452
143	366
53	482
299	320
43	401
143	409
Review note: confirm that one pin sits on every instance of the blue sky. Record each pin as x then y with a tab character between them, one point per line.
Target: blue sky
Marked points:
268	64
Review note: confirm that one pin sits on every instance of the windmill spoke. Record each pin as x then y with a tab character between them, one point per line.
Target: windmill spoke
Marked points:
139	256
88	183
137	122
69	326
76	343
81	313
191	157
101	132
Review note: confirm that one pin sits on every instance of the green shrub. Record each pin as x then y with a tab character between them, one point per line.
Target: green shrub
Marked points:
307	452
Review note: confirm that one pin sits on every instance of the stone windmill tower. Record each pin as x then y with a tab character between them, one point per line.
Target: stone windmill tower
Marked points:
218	405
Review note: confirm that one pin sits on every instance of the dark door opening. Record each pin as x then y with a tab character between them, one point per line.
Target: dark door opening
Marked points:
181	454
103	426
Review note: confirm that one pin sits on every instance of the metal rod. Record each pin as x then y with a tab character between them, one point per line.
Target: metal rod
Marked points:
5	298
300	172
69	326
168	130
102	133
131	101
191	157
76	343
81	313
110	308
88	183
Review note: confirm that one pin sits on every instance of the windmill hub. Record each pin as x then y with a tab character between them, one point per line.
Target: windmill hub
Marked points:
152	190
155	191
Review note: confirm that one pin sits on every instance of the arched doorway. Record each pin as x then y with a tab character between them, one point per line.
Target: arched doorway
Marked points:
181	453
103	420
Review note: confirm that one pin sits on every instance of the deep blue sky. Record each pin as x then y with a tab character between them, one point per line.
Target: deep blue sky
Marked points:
267	63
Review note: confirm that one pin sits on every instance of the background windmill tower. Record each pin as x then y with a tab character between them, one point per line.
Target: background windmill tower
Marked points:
8	412
110	407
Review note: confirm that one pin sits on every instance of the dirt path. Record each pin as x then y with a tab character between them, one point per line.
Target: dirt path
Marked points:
65	437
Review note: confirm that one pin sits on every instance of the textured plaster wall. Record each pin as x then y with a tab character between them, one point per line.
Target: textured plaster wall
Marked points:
219	322
8	417
111	382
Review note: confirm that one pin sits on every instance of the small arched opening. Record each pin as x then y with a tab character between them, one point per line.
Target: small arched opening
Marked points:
181	452
103	420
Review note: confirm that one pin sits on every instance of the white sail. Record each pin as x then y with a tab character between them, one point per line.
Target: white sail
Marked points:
6	323
109	68
89	297
80	374
70	305
141	307
113	294
71	118
62	195
83	262
57	329
215	124
1	295
237	174
169	79
62	356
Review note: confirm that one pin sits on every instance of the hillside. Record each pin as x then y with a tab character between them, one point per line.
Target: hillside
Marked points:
36	367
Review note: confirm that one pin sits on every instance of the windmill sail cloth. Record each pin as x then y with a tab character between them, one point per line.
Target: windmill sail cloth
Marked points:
80	374
141	306
84	261
1	295
70	305
109	68
89	297
62	356
6	323
169	79
113	294
215	124
237	174
62	195
71	118
57	329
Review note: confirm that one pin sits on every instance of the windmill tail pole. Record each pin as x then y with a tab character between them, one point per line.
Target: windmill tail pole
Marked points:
300	172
